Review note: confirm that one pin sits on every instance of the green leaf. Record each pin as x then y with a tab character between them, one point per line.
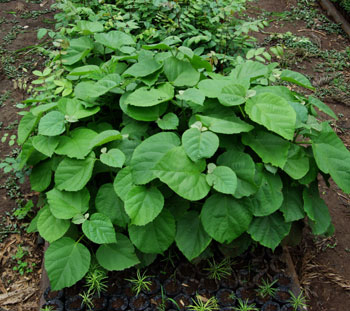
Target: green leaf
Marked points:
156	236
117	256
273	112
228	222
244	167
105	137
292	206
232	95
74	109
66	205
249	70
78	49
191	238
113	158
143	204
123	182
146	66
51	228
182	175
297	164
144	97
46	145
223	180
270	230
40	177
199	145
224	124
99	229
213	88
26	127
332	157
108	203
66	262
148	153
52	124
296	78
89	28
269	147
322	107
192	95
269	197
77	144
37	110
316	209
180	72
114	39
73	175
170	121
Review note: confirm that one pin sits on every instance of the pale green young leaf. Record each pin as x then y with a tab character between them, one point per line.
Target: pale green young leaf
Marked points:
296	78
123	182
170	121
75	109
105	137
232	95
113	158
192	95
322	107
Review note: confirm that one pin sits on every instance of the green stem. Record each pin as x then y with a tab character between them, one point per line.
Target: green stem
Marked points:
303	142
79	239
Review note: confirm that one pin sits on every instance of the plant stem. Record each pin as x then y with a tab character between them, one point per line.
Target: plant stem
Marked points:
303	142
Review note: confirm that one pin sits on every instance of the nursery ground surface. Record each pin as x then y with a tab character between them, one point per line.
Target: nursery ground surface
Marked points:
313	46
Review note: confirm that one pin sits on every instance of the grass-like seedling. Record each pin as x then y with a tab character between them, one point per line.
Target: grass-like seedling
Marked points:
203	304
87	300
245	306
140	282
297	301
96	280
218	271
266	289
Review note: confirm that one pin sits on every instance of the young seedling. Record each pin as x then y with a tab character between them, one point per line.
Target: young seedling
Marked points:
245	306
162	306
140	282
298	302
47	308
203	304
87	300
96	280
266	289
221	270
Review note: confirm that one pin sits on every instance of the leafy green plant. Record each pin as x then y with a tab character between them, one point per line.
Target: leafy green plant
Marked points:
140	283
47	308
86	297
266	289
165	299
221	270
22	266
153	148
203	304
298	302
245	306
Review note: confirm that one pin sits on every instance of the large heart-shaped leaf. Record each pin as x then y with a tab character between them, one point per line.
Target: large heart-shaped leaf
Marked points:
270	230
26	127
273	112
148	153
292	206
182	175
191	238
66	205
108	203
297	164
99	229
73	175
228	222
78	49
52	124
156	236
66	262
40	177
199	145
45	144
143	204
117	256
114	39
223	180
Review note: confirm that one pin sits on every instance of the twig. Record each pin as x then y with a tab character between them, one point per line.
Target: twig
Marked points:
313	30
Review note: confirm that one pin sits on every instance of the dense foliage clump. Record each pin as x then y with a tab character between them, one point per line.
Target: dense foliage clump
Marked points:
137	144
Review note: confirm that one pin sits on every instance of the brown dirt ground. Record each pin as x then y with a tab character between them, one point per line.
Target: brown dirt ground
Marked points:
322	263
